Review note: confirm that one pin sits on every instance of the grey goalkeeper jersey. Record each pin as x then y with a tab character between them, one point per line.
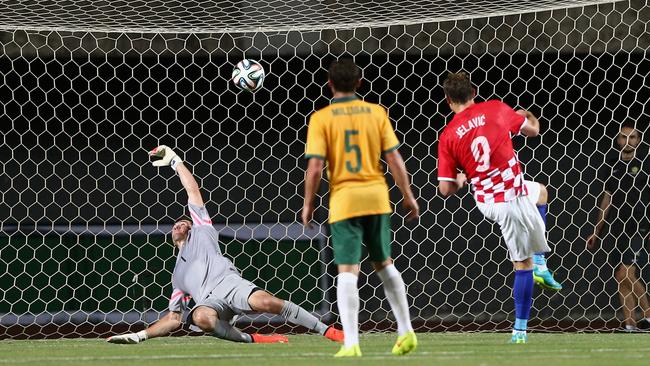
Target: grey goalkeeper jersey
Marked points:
200	266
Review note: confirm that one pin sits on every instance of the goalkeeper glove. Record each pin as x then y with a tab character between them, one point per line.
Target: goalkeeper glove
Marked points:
129	338
169	157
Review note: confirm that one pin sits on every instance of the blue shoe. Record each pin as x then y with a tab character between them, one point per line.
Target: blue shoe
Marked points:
545	280
519	337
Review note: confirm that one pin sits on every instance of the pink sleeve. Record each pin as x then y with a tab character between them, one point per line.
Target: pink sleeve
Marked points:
178	301
447	167
199	215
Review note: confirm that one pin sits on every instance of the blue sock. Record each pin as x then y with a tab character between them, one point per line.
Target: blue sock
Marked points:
523	294
539	258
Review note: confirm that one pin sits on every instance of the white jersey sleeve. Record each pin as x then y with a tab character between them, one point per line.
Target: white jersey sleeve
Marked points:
199	215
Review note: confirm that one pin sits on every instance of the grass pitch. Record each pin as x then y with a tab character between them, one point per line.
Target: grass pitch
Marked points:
434	349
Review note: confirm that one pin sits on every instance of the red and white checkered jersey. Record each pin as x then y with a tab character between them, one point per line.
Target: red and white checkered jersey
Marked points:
478	140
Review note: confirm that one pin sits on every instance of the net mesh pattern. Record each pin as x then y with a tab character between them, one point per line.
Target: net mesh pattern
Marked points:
250	16
85	218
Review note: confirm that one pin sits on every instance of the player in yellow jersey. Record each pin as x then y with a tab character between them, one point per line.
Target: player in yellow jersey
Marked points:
351	135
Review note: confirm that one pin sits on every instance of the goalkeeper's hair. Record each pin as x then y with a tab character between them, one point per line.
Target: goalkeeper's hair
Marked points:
344	75
184	218
458	88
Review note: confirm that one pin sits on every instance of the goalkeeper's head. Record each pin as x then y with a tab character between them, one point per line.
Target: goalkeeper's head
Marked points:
344	76
180	230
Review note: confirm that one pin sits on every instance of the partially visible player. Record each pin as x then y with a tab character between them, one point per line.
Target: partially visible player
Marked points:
211	279
478	141
625	205
351	136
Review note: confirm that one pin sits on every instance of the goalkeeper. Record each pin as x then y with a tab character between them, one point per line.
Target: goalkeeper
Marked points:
214	283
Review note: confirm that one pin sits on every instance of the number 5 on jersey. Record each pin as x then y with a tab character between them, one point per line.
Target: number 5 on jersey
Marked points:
352	148
481	152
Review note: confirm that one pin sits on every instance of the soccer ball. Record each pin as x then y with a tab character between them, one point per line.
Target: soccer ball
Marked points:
248	75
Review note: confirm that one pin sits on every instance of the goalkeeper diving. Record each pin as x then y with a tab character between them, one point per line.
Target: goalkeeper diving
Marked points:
212	280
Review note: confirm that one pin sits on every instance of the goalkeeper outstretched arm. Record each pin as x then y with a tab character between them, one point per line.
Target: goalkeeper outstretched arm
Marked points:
172	320
161	328
170	158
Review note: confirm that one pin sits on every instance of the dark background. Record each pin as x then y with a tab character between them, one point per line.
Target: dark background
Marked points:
80	111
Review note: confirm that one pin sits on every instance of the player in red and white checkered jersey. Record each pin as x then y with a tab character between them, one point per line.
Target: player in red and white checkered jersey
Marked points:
478	141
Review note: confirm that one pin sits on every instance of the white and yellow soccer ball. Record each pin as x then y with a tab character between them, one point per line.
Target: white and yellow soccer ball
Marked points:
248	75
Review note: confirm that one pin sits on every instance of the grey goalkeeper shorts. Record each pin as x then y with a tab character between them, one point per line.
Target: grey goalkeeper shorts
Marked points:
229	298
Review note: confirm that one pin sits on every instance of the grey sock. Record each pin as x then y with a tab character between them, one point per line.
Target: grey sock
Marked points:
226	331
297	315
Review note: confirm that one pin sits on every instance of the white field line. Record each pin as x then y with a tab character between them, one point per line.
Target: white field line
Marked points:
442	355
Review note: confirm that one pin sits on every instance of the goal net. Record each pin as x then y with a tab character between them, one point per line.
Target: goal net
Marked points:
88	88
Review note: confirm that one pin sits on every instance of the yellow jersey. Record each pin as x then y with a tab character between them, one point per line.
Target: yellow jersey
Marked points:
351	135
